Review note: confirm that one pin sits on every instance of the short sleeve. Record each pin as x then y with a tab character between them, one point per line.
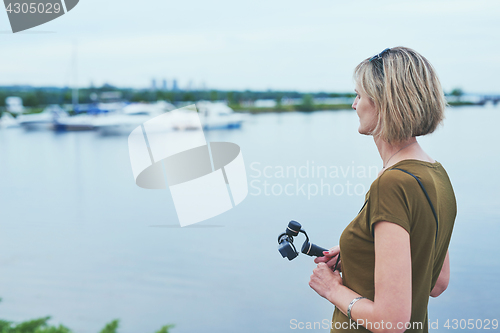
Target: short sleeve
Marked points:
389	199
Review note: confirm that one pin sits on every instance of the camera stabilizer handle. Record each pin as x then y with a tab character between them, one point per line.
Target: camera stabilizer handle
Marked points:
286	247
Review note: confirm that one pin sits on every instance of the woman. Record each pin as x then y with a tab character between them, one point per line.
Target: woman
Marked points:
395	252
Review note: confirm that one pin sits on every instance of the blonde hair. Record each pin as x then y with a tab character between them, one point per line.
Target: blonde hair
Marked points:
406	92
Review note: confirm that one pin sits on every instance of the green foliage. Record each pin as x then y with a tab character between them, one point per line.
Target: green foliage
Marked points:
188	97
31	100
167	96
33	110
40	325
34	97
350	95
5	326
230	97
110	327
457	92
213	95
461	103
54	329
165	329
307	103
279	105
32	326
233	100
143	96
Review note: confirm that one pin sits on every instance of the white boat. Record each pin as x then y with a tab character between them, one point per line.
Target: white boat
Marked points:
80	122
42	120
132	115
89	113
148	108
8	121
177	120
111	106
211	115
217	115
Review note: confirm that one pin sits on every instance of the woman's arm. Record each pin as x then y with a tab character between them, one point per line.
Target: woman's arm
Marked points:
393	288
443	279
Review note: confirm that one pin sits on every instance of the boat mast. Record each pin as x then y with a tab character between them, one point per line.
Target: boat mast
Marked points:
75	79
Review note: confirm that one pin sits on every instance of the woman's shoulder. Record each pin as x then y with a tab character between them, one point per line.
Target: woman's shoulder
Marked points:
402	174
413	166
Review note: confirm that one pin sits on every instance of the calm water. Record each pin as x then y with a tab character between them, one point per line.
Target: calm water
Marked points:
82	243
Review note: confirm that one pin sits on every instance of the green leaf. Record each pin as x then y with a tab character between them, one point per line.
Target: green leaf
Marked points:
31	326
111	327
54	329
5	326
165	328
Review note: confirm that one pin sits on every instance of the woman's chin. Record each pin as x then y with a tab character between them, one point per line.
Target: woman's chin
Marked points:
362	131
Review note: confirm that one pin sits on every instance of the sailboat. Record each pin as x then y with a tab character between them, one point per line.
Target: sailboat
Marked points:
131	116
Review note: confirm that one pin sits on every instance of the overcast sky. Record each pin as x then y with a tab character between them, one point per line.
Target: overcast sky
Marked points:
273	44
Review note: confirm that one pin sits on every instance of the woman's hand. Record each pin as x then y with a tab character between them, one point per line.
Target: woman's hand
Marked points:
325	281
330	258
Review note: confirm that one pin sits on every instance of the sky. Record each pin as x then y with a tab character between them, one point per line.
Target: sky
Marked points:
258	45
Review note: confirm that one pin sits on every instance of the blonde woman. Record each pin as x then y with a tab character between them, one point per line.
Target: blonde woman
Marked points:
394	254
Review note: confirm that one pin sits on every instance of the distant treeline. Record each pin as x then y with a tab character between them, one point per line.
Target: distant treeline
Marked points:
37	96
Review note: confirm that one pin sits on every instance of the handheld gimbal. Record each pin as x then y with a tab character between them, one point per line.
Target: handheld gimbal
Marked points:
286	247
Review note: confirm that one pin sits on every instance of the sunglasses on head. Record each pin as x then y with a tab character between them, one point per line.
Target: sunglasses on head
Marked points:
379	56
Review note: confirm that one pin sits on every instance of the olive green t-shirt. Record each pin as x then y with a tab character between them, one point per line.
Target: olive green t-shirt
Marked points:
396	197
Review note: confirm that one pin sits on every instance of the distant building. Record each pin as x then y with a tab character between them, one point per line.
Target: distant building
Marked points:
175	87
153	84
164	85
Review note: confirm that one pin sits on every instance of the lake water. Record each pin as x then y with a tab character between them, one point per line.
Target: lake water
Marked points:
82	243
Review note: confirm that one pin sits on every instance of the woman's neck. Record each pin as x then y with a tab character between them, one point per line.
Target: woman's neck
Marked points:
395	152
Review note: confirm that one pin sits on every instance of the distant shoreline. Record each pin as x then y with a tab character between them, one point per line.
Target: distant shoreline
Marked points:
292	108
281	109
317	107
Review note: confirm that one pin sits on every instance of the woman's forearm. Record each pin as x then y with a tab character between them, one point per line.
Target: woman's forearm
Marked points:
365	311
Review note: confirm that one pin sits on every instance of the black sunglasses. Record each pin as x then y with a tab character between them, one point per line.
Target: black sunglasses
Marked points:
379	56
